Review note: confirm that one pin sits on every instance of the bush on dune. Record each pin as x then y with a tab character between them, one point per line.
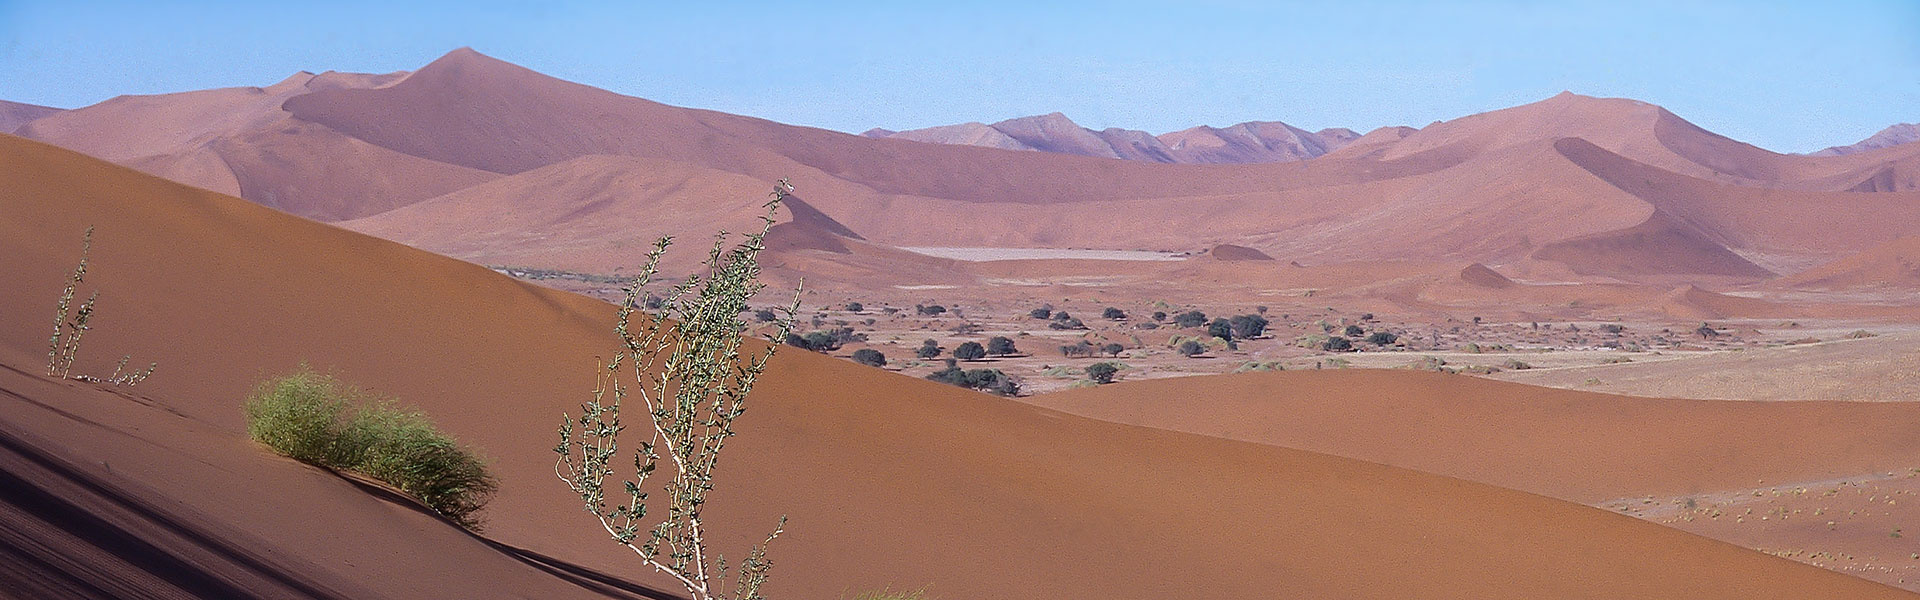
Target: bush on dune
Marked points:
318	420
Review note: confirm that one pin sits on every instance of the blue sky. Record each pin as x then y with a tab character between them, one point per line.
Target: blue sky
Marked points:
1788	76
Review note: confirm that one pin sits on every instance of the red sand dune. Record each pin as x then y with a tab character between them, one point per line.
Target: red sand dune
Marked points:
888	480
1604	190
1579	446
1895	264
238	141
15	114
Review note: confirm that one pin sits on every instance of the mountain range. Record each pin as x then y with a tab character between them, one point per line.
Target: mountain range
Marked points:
1250	142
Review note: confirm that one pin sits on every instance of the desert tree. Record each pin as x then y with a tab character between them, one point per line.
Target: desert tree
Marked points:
689	368
1102	372
970	351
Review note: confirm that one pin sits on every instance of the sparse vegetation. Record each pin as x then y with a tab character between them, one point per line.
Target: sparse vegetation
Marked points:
970	351
1192	318
870	357
1191	348
928	349
986	380
1001	346
694	379
1382	338
1337	344
1113	314
64	345
1102	372
318	420
1113	350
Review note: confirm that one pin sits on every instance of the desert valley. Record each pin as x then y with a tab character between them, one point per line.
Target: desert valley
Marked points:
1575	348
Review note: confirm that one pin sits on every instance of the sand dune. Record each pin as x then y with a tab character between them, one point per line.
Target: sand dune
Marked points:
1586	189
15	114
1893	135
1895	264
888	480
1574	445
239	142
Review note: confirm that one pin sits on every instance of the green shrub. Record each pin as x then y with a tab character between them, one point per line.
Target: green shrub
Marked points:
405	451
307	417
318	420
870	357
1102	372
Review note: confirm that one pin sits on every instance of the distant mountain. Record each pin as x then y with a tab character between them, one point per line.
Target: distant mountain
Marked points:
15	114
1902	133
1250	142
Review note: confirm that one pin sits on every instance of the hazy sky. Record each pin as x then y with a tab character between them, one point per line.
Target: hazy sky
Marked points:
1786	76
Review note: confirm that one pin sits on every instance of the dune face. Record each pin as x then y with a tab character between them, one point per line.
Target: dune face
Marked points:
1895	264
15	114
1894	135
237	141
887	480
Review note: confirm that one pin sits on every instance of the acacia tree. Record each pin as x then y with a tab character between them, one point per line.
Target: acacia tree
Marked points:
688	367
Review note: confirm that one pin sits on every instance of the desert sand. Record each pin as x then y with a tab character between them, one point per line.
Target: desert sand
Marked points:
889	480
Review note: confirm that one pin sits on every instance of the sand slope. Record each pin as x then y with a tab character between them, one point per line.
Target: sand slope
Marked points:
15	114
239	142
1575	445
887	479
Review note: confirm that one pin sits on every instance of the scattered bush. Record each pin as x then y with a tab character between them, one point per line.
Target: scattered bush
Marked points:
870	357
1192	318
1260	366
1113	314
1159	316
1613	328
1354	331
934	310
1101	372
1077	349
1382	338
1220	328
317	420
928	349
1113	350
1515	365
1337	344
1061	316
1000	345
764	316
1191	348
889	594
970	351
987	380
1041	313
855	307
1247	327
1860	334
1066	324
